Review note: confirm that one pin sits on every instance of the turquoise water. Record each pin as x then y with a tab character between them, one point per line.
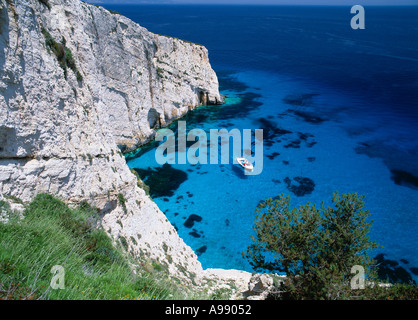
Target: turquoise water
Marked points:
329	125
225	198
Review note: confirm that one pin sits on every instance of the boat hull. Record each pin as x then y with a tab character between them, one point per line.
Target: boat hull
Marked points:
245	164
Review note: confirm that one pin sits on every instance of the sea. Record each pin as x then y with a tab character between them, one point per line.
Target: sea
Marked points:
339	110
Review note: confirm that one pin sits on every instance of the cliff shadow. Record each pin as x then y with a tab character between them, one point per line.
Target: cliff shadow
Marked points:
162	181
4	35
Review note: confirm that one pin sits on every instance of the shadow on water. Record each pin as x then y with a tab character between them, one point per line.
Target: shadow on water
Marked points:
228	82
239	172
162	181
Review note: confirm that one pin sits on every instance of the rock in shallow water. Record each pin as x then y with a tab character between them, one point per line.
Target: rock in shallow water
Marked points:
404	178
304	185
304	99
191	220
195	234
201	250
308	117
271	131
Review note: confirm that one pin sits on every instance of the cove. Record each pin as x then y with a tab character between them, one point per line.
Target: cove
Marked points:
327	126
197	153
212	206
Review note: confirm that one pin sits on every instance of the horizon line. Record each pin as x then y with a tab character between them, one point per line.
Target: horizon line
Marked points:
252	4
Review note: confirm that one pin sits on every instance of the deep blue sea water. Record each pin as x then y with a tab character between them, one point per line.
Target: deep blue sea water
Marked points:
338	106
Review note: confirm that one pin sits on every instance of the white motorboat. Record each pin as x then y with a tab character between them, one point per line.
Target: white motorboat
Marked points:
245	164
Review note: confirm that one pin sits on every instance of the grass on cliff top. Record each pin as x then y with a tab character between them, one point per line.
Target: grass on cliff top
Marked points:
53	234
186	41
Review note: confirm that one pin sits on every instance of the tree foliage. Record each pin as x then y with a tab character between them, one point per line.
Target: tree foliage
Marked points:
315	247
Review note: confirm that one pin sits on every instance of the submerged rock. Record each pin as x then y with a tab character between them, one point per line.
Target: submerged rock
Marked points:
293	144
392	271
189	223
273	155
308	117
414	270
404	178
271	132
195	234
201	250
302	187
304	99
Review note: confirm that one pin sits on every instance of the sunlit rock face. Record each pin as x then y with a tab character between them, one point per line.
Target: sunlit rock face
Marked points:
77	83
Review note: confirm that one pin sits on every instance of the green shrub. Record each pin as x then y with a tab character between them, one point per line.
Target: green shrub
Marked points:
13	199
122	201
315	248
63	54
79	76
4	205
113	11
141	183
160	72
124	243
69	59
396	291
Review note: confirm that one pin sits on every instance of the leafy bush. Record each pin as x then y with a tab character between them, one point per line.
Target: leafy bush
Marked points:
315	248
160	72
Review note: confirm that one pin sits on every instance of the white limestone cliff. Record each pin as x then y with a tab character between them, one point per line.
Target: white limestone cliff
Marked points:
61	133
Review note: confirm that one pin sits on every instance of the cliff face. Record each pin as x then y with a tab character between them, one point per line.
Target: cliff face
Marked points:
76	82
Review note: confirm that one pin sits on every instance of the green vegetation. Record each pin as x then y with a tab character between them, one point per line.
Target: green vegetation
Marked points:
190	42
13	199
221	294
64	56
53	234
160	72
113	11
122	201
141	183
316	249
4	206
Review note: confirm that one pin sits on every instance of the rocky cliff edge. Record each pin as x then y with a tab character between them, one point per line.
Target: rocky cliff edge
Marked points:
78	84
